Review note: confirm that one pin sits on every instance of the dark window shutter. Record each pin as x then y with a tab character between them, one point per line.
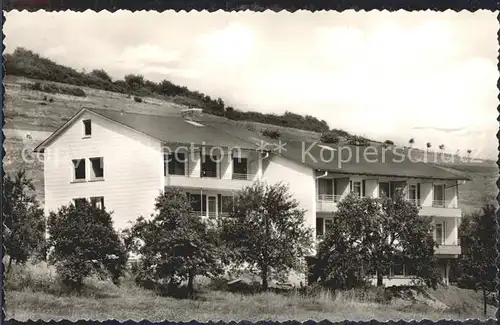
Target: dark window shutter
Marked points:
203	204
219	200
319	226
363	185
350	186
335	190
418	192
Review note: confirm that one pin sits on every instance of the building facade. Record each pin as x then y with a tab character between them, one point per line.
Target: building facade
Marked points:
123	161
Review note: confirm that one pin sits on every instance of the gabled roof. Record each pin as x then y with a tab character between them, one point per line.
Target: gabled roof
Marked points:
343	159
165	128
376	161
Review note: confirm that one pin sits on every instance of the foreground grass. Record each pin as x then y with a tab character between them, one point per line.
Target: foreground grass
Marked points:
131	302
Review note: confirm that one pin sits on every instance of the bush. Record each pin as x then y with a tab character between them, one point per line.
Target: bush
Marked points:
84	242
273	134
329	137
36	277
138	99
389	142
356	140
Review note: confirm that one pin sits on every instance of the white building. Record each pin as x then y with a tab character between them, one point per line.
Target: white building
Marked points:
124	160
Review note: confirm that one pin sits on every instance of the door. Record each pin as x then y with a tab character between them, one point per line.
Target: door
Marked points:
440	229
212	206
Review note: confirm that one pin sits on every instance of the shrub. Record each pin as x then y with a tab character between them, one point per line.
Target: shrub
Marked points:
356	140
84	242
329	137
389	142
138	99
273	134
174	244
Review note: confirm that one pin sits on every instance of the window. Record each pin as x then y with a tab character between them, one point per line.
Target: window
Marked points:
438	195
97	171
198	203
319	227
328	225
397	267
226	204
325	186
97	202
439	230
412	194
240	168
209	166
175	164
356	188
87	128
384	189
397	187
78	169
79	202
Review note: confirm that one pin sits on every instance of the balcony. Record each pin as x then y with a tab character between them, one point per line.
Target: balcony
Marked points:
441	208
327	202
209	181
448	250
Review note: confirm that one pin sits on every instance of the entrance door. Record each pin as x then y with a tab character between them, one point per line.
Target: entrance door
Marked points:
212	206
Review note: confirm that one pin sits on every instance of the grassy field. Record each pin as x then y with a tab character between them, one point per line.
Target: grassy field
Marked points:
40	297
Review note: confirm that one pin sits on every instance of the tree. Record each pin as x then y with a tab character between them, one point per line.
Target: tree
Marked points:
469	152
372	234
83	241
429	145
266	231
411	142
24	218
174	244
389	142
329	137
479	251
101	74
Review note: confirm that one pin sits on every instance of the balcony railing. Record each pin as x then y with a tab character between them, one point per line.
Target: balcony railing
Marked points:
328	198
438	203
243	176
210	215
415	201
208	173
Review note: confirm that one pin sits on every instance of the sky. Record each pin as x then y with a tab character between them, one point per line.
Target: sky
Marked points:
430	76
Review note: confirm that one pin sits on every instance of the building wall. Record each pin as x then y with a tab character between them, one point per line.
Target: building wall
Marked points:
133	169
300	180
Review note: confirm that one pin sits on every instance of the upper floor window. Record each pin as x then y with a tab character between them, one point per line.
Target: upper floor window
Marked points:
97	171
413	193
87	128
356	188
175	164
438	199
209	166
240	168
78	169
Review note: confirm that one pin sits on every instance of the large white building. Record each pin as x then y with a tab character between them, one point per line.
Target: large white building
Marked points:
123	160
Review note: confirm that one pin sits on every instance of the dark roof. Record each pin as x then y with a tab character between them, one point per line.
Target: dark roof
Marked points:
175	129
372	160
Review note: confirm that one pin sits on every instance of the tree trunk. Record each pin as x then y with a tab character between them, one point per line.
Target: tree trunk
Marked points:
265	284
191	284
380	279
485	312
10	263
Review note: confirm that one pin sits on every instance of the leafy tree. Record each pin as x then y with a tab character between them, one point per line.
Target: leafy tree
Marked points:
411	142
273	134
266	231
174	244
469	152
83	241
371	234
135	82
479	251
23	218
389	142
101	74
356	140
329	137
428	145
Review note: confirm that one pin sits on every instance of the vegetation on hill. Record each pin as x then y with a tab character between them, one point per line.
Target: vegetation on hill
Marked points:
25	63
